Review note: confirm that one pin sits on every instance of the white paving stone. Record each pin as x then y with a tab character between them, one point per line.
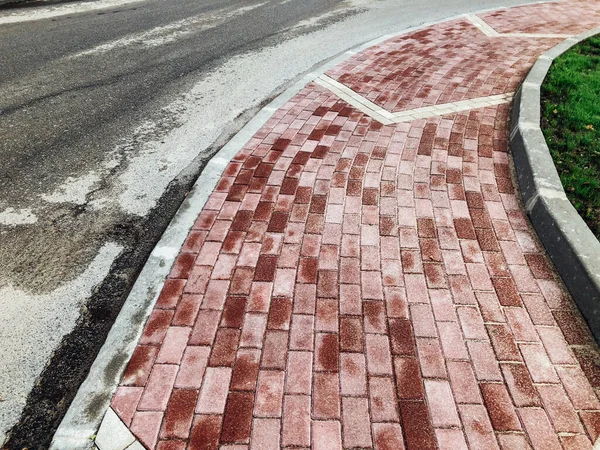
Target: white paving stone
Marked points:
113	433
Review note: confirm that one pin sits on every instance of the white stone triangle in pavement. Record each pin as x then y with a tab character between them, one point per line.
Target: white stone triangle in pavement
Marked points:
387	118
114	434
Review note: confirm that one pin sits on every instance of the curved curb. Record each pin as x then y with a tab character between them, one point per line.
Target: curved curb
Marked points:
571	245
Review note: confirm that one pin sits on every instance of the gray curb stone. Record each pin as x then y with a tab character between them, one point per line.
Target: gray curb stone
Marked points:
569	242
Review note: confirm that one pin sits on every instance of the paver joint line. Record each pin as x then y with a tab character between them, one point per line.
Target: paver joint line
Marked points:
363	275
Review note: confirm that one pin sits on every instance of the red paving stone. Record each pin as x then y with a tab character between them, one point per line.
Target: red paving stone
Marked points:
354	285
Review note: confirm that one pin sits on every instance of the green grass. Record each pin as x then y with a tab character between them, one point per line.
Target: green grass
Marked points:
571	125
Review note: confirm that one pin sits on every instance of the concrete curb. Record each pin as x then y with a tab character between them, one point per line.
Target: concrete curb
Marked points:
572	246
78	428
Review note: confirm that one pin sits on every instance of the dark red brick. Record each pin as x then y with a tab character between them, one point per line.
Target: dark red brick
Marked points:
278	222
320	152
140	365
280	314
539	266
179	414
225	347
327	353
245	371
241	281
242	221
236	193
281	144
263	211
402	337
301	158
387	226
573	328
426	227
307	270
453	176
289	185
506	290
263	170
487	240
244	177
205	433
474	200
170	294
499	407
265	268
351	334
430	250
464	228
354	188
318	204
233	312
416	423
183	265
408	379
370	196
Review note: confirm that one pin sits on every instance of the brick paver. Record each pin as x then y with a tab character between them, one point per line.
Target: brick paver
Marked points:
355	285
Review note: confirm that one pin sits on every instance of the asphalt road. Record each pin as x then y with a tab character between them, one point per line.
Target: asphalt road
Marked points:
106	118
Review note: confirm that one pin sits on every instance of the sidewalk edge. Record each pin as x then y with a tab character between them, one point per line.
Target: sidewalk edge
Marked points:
569	242
83	418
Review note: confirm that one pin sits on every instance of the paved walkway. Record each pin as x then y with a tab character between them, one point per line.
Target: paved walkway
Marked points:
364	276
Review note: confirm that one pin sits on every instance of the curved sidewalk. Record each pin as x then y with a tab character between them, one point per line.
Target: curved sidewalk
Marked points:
364	275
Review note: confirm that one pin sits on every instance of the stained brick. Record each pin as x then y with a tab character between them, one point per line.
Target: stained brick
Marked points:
499	407
326	352
416	423
140	365
179	414
519	385
233	313
225	346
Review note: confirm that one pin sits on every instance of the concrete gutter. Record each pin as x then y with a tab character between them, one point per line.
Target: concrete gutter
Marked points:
571	245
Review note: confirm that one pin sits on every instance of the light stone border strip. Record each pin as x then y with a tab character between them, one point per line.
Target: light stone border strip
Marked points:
355	99
482	25
92	401
571	245
388	118
537	35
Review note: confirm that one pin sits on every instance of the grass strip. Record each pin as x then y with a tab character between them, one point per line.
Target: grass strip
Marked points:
571	125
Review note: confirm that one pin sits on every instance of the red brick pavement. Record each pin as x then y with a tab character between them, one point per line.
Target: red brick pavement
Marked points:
570	17
354	285
415	70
